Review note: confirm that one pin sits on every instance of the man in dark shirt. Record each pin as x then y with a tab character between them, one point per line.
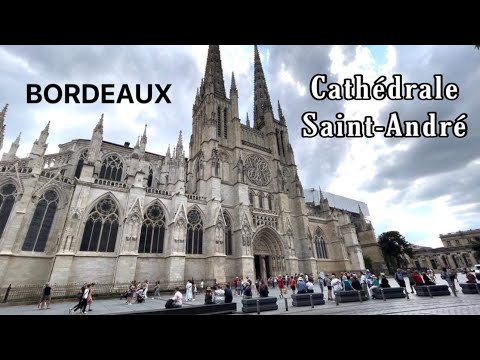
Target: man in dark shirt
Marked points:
228	294
356	284
46	297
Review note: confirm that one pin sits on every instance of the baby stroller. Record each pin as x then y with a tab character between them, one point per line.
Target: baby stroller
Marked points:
141	295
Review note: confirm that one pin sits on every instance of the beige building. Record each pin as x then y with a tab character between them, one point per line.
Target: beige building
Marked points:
456	252
110	213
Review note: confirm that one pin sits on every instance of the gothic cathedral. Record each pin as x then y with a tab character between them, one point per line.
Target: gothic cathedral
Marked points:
109	213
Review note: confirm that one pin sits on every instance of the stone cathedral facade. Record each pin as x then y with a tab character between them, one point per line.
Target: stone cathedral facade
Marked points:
110	213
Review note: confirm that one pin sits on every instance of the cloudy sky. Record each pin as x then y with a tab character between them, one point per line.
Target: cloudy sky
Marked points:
420	187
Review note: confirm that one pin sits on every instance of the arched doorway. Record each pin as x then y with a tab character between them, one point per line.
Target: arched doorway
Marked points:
269	256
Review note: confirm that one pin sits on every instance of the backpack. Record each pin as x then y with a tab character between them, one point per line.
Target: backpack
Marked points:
169	304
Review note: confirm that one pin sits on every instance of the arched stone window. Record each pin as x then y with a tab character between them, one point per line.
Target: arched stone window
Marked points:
8	194
42	220
194	232
153	231
320	245
270	202
228	234
101	228
112	168
81	160
260	200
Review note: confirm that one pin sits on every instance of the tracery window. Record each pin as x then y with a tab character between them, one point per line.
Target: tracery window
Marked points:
194	232
112	168
153	231
101	228
8	194
228	234
42	220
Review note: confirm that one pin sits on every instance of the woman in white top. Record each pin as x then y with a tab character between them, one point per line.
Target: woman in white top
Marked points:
177	298
189	294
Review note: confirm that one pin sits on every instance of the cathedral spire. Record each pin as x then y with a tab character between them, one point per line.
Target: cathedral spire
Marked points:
11	155
2	124
233	86
17	140
248	121
262	103
143	140
99	127
168	156
179	148
214	72
3	113
321	194
44	134
280	113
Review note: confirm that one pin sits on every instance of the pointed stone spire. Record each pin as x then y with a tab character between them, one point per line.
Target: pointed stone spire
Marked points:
2	124
143	140
280	113
214	72
137	145
44	134
179	148
3	113
168	156
11	155
99	127
363	221
248	121
17	140
321	194
262	103
233	86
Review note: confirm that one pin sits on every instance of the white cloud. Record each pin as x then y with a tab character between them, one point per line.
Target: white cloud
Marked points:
286	77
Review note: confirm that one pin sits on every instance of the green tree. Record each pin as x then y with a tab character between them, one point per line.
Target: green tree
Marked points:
394	248
368	262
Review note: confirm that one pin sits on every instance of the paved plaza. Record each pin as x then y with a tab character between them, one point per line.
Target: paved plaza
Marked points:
441	305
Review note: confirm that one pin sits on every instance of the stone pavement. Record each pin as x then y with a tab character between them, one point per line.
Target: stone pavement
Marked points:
442	305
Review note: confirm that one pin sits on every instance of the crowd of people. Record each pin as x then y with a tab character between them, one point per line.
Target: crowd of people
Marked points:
246	288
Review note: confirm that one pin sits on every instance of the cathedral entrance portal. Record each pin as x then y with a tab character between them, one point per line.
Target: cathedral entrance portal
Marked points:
269	257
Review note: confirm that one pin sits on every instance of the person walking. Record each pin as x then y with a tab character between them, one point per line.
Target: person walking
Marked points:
157	290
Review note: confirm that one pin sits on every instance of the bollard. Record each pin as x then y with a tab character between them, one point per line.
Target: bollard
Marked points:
6	293
258	307
406	292
429	292
286	304
383	295
360	295
311	300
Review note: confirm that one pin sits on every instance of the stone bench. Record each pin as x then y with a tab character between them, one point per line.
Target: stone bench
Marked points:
433	290
304	299
209	309
388	293
470	288
266	304
350	296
